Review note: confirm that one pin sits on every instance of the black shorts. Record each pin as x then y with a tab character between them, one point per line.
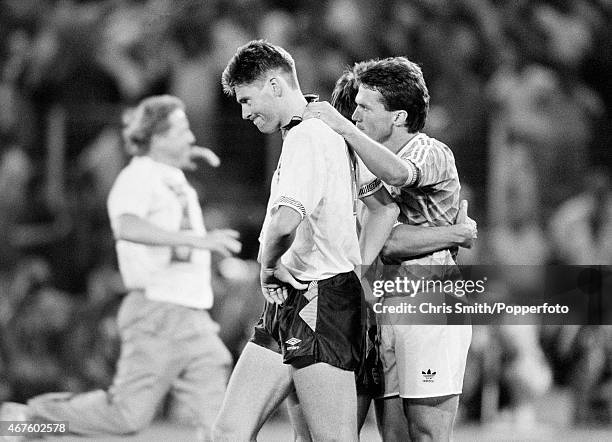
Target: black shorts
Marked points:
265	332
369	377
325	323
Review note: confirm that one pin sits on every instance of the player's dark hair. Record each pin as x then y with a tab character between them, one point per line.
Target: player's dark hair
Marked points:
401	83
344	93
346	88
252	61
150	117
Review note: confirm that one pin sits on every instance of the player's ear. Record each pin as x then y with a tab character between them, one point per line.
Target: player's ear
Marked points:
275	84
399	119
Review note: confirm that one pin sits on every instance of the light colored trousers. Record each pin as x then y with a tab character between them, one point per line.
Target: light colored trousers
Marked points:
165	349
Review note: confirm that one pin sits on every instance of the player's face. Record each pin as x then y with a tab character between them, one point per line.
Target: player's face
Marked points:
258	105
175	144
371	116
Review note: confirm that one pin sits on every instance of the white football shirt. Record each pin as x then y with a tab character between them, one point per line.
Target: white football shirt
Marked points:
161	195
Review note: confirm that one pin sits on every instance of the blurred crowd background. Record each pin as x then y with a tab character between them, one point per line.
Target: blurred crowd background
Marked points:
520	91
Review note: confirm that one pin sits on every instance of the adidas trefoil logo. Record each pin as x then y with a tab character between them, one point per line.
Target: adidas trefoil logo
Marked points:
292	343
428	376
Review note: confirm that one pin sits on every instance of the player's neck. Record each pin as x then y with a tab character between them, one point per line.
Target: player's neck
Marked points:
398	140
294	106
164	159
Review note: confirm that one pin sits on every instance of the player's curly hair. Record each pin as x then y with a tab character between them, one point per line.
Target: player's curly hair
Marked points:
401	83
252	61
150	117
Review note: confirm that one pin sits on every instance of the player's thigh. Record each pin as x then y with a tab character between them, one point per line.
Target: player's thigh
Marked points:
259	383
391	420
329	401
198	392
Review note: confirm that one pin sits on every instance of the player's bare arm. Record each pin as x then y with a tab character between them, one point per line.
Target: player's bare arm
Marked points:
381	161
135	229
407	240
274	276
379	218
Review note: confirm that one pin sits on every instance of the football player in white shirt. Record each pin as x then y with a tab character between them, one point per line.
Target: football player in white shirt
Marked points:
169	343
259	381
311	224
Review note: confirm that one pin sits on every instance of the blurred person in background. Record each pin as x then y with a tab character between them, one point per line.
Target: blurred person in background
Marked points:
34	324
547	121
169	342
587	220
581	232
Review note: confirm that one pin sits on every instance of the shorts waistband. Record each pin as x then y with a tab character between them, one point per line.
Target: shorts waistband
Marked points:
331	278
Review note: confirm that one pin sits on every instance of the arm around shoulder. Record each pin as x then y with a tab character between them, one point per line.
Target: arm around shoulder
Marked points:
406	241
378	159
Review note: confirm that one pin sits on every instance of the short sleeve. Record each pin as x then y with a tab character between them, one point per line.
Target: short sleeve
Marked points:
428	163
302	171
130	194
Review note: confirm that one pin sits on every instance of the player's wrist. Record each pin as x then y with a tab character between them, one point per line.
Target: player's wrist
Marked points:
348	130
195	241
451	235
270	267
462	234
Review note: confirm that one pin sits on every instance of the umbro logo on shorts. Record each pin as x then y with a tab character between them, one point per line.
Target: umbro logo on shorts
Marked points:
428	376
292	343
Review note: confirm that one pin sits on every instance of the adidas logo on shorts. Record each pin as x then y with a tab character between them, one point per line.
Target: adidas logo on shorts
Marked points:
292	343
428	375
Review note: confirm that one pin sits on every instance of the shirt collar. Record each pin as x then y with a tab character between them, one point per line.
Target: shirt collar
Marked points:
165	170
418	136
297	119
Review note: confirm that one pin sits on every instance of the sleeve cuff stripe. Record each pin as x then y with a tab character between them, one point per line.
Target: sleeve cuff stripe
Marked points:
370	188
294	204
412	179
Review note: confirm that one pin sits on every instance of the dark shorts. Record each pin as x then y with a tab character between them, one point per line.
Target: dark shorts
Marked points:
369	377
325	323
265	332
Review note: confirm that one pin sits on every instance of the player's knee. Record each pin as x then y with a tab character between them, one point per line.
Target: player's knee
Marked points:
129	427
395	434
230	432
431	419
429	429
421	433
133	421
